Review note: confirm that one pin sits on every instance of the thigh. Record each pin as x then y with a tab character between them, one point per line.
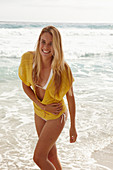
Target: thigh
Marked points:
39	123
49	135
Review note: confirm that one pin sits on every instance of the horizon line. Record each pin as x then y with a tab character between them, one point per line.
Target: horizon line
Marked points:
58	22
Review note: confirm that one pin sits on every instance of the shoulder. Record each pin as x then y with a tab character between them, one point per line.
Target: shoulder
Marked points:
67	73
27	57
66	65
67	68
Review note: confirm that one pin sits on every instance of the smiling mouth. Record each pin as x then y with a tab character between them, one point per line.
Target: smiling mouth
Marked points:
46	52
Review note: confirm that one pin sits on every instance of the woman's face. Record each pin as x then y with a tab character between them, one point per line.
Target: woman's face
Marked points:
46	45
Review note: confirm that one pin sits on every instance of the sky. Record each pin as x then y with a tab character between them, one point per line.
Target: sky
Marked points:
75	11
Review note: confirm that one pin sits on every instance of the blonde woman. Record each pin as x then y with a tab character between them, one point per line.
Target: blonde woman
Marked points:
46	78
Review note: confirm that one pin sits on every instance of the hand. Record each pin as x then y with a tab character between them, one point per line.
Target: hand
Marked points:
54	108
73	134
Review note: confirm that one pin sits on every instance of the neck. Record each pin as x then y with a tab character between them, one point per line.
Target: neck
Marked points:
46	63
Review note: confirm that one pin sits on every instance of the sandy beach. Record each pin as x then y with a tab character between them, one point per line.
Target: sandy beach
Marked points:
104	158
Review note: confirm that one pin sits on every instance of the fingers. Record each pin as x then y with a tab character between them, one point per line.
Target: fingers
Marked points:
72	139
57	111
73	135
54	108
56	104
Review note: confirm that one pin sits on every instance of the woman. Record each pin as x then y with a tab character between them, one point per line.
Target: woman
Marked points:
46	78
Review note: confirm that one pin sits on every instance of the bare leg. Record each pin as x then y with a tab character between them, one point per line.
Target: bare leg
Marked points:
53	158
46	151
39	123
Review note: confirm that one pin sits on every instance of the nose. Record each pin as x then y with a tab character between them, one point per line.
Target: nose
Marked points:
46	47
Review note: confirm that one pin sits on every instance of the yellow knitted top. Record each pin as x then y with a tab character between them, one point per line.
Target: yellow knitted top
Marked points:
25	74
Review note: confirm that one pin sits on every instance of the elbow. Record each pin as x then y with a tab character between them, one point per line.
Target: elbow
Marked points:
24	86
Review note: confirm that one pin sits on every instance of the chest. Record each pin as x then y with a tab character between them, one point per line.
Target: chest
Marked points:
44	76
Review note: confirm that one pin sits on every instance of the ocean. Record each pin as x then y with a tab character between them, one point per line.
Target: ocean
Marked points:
88	49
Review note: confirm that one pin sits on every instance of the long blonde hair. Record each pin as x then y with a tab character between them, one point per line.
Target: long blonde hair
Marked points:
57	61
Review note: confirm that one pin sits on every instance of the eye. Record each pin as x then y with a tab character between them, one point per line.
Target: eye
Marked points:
43	42
50	43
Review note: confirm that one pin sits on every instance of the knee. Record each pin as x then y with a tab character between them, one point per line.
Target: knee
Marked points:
38	158
52	155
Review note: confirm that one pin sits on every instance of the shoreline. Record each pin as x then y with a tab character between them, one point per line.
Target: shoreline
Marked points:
104	158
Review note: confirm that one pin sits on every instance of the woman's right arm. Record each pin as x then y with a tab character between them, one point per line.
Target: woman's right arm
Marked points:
30	93
54	108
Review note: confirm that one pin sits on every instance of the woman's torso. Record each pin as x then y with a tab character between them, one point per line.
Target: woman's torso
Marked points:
47	96
44	75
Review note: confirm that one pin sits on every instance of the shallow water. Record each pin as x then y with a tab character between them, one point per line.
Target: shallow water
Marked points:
89	52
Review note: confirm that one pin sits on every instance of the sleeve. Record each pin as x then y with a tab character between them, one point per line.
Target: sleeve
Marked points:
68	79
66	83
24	70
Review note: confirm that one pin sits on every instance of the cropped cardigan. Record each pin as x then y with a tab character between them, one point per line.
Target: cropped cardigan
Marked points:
25	74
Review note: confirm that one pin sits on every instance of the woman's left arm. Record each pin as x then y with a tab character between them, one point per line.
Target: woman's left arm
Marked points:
72	110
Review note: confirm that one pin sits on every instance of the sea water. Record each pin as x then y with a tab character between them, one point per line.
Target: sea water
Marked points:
88	49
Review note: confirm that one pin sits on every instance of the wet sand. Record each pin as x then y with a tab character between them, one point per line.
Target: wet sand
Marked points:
104	158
